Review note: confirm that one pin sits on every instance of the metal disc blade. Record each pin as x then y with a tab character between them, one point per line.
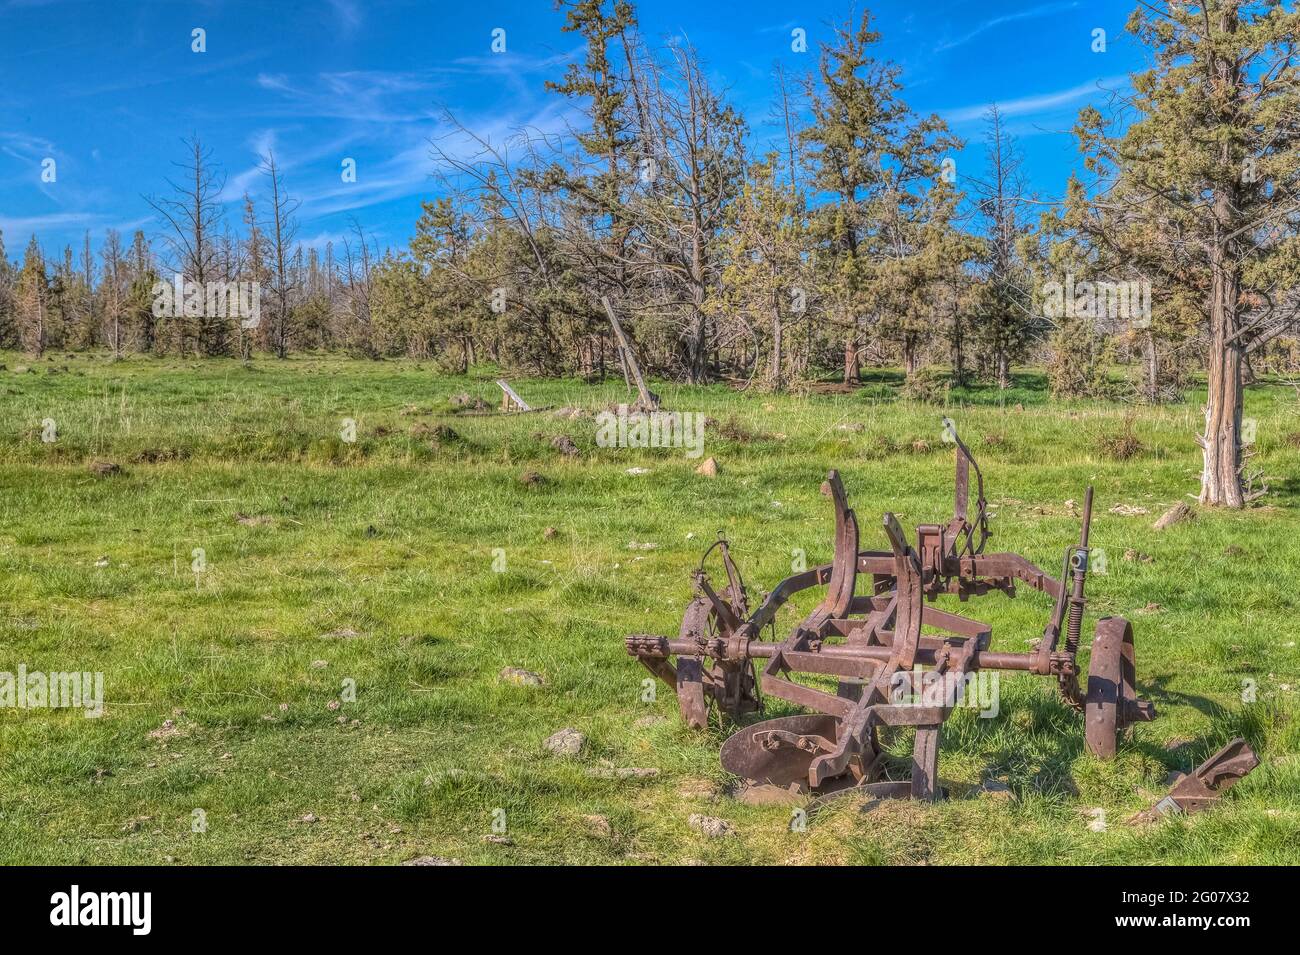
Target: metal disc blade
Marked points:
783	766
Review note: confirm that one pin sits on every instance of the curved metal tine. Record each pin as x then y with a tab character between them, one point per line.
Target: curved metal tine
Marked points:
894	531
844	569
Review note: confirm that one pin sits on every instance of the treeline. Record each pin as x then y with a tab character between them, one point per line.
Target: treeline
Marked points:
310	299
862	236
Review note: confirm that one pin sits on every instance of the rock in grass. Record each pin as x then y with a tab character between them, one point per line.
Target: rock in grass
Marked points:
549	533
598	826
1175	515
709	468
564	444
102	469
467	401
566	742
711	826
531	479
521	677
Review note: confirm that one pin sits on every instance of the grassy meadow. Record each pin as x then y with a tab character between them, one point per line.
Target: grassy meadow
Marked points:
203	535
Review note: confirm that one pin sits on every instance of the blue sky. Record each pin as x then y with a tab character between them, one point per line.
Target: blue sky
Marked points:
108	89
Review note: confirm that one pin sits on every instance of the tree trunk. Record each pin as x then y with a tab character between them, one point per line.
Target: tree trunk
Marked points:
852	363
1221	443
1004	369
1152	363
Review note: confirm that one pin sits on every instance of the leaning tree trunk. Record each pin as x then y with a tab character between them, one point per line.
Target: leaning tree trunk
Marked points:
1221	443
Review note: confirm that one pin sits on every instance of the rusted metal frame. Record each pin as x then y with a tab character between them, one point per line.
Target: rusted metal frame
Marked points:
728	622
783	591
960	523
807	696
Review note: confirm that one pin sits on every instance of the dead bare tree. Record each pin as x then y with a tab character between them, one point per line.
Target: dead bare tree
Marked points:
281	235
192	216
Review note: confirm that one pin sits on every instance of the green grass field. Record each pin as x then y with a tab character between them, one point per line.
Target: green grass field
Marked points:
326	561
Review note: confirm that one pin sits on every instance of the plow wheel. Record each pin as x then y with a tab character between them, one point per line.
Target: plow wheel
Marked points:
702	686
1112	702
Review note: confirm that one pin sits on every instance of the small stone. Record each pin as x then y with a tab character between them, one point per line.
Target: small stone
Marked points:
319	664
1128	510
310	818
711	826
521	677
1097	819
598	825
464	400
636	471
499	840
564	444
709	468
1177	514
549	534
102	469
566	742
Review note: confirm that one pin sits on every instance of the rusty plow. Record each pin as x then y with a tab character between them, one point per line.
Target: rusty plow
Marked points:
896	661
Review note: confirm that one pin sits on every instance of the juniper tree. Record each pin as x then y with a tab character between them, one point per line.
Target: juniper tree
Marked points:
877	160
1201	189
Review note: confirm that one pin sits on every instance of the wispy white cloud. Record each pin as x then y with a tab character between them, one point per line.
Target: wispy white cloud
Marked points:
1044	10
1039	103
